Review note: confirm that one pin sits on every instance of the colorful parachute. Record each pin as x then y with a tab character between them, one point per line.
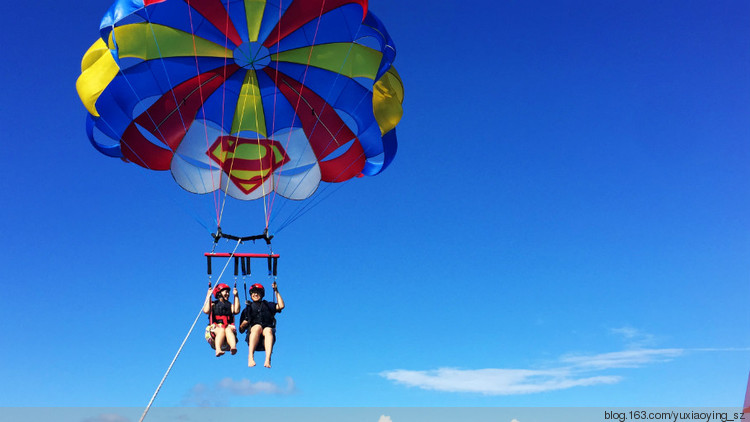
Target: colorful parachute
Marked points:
247	96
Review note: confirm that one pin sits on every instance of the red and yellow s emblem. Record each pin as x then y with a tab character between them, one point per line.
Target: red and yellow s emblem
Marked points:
247	162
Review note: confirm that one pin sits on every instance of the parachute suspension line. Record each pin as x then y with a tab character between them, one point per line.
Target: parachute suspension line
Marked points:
113	130
125	77
273	114
299	97
304	79
231	166
236	139
304	75
266	209
309	205
220	213
190	331
157	126
317	121
135	93
320	197
219	210
224	70
169	80
202	100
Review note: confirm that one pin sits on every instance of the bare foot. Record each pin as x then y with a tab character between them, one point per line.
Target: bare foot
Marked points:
250	363
267	364
219	353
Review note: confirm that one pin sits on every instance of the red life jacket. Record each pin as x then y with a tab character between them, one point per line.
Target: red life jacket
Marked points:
221	313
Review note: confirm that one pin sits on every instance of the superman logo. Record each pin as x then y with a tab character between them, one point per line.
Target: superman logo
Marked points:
247	162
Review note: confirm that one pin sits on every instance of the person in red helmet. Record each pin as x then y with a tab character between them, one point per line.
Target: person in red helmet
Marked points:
259	317
221	333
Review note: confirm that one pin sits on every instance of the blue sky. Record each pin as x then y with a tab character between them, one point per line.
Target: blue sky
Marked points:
566	224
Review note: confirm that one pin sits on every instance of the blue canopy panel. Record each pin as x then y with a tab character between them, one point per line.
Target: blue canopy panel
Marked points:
339	25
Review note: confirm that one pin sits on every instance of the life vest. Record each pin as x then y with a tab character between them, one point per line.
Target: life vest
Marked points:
263	313
221	313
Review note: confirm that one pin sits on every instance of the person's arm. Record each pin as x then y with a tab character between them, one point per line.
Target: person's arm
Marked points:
236	303
244	319
207	303
279	300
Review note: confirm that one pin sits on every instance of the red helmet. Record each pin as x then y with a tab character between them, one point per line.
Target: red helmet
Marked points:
220	287
258	288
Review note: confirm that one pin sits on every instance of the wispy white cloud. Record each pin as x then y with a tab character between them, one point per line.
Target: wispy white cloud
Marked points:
723	349
626	331
634	338
245	387
203	395
624	359
495	381
384	418
219	394
570	371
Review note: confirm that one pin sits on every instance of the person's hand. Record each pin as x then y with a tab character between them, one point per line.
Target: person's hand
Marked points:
236	293
274	286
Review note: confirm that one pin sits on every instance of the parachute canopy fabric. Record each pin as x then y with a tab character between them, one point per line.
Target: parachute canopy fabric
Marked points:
247	96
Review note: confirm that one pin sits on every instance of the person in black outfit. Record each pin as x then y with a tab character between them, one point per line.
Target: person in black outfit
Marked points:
221	331
260	318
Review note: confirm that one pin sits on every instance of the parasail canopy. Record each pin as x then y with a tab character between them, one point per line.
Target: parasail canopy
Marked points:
252	97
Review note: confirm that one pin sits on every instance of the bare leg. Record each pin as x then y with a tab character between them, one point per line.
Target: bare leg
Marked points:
254	336
219	340
231	340
268	337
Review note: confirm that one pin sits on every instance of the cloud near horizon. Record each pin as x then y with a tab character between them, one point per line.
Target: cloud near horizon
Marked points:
107	417
572	371
218	395
245	387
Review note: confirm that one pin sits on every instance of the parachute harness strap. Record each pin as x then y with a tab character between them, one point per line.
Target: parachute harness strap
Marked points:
245	274
190	331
